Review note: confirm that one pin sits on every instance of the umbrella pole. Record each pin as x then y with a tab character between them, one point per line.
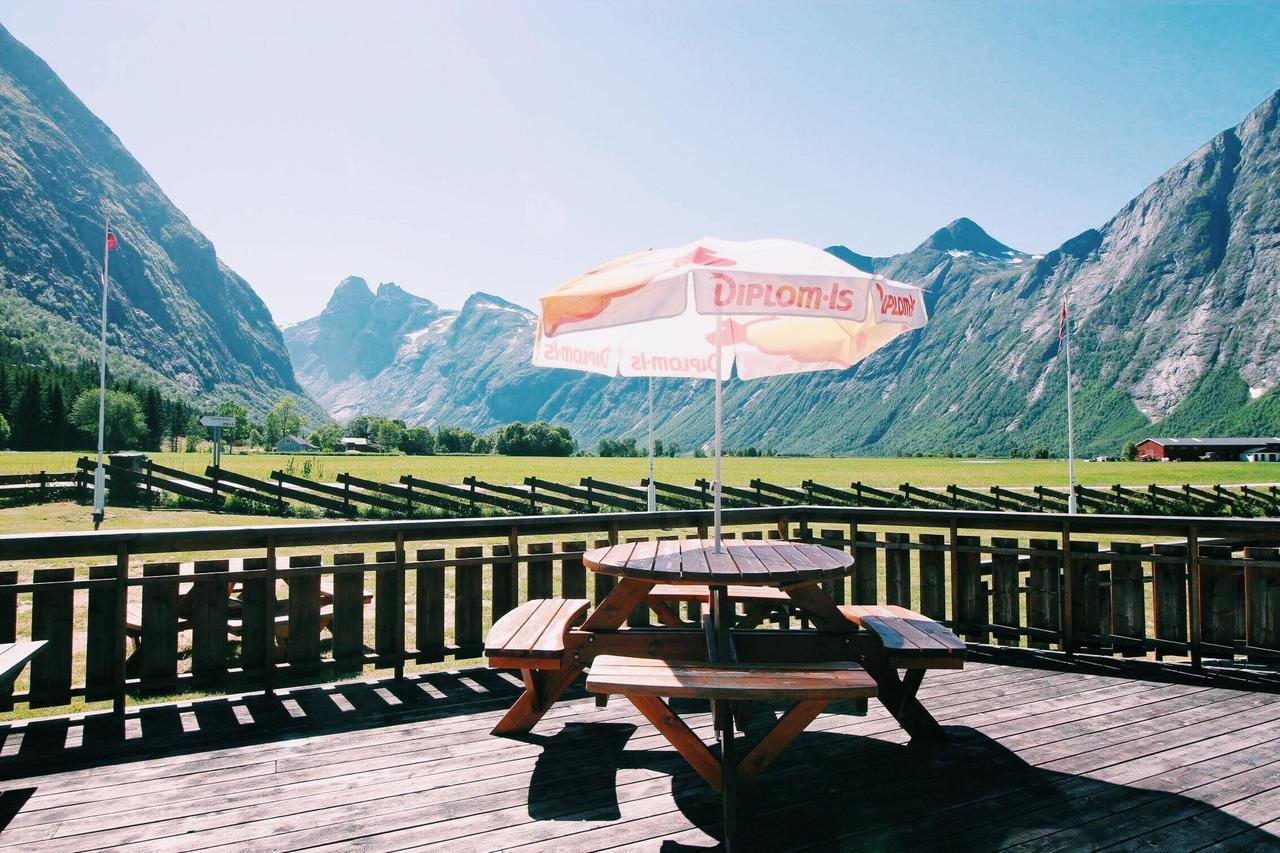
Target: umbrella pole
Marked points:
653	494
715	485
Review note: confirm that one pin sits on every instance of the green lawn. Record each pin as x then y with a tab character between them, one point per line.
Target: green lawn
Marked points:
834	471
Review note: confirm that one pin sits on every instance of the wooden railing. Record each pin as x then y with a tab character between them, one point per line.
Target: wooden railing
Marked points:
248	608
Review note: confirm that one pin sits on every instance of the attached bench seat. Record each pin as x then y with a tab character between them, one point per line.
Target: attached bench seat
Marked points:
532	636
702	593
760	601
911	640
647	683
14	656
741	681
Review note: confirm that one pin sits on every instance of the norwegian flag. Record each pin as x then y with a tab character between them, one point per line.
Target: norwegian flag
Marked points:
111	240
1062	324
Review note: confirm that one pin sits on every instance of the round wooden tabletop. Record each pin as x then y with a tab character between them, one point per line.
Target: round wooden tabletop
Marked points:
741	561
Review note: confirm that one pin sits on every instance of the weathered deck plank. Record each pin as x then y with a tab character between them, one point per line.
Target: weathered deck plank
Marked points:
1038	760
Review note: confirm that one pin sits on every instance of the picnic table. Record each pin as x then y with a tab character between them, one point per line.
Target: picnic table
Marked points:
851	652
14	657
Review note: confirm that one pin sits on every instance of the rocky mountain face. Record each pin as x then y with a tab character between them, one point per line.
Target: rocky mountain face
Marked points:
396	354
179	317
1175	304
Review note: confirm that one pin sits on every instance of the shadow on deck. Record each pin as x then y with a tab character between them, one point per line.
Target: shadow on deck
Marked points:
1042	759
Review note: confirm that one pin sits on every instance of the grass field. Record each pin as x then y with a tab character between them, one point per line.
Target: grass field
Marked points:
833	471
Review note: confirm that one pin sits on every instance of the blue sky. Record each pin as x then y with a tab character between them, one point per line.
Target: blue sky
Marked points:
455	147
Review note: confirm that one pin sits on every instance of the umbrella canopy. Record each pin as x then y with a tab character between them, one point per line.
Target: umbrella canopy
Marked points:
770	307
782	307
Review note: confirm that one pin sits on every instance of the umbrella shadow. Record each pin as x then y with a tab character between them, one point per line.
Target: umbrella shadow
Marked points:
841	791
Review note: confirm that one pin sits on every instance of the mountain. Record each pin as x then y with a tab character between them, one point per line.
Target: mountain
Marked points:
396	354
1175	306
179	317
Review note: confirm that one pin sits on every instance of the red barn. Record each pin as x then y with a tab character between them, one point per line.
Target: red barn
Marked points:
1194	449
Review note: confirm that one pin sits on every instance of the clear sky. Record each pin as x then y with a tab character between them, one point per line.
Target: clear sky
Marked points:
505	147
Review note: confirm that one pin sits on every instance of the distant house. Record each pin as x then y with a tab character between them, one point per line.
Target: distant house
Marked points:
360	445
1200	449
295	444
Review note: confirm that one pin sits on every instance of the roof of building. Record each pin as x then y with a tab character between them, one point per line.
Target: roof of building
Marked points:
296	439
1214	442
355	440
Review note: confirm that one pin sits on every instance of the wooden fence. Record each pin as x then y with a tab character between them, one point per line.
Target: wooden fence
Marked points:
246	608
415	496
40	486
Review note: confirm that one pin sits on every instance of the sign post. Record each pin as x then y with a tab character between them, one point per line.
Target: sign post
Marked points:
215	423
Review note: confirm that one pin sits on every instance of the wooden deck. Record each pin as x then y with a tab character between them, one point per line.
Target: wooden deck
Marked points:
1038	760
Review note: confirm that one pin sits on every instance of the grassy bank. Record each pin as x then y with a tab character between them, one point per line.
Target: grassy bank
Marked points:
834	471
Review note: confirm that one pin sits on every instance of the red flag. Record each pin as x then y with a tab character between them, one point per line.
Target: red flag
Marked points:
111	241
1062	324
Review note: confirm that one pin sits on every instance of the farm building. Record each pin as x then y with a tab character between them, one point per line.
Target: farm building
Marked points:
295	444
1222	449
360	445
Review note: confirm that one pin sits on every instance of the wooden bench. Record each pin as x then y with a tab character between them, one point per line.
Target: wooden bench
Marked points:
531	638
14	656
906	641
910	640
760	601
533	635
647	682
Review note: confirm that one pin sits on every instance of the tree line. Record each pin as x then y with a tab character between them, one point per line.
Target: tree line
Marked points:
55	407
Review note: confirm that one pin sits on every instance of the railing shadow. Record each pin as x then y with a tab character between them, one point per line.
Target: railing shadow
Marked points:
48	745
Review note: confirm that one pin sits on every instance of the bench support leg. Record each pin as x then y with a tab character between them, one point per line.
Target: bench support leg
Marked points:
778	738
542	689
898	695
681	737
666	615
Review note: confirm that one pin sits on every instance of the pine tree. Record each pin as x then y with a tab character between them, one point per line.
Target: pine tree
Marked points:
56	434
153	411
27	416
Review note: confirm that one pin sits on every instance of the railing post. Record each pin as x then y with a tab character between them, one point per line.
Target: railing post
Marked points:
269	615
1193	593
954	547
402	597
1065	601
118	652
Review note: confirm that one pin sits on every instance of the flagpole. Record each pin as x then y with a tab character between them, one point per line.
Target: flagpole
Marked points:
99	474
653	494
1071	434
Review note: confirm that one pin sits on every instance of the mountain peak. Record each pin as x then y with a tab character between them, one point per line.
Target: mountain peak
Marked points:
480	299
965	235
351	290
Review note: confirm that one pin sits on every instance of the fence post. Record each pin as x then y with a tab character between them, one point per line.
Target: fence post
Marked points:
1193	593
401	597
1065	601
118	651
269	617
953	547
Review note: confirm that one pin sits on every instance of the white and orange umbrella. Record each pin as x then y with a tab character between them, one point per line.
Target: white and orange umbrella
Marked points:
770	307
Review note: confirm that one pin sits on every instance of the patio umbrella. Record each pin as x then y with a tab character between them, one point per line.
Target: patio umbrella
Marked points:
768	307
